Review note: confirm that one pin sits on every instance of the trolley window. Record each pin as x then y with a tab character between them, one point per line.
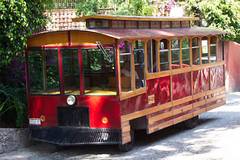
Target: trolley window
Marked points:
152	56
195	51
213	49
43	71
125	65
175	44
185	53
36	68
164	55
205	58
70	71
99	71
139	64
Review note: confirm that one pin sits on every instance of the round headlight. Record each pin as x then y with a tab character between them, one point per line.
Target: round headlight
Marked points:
71	100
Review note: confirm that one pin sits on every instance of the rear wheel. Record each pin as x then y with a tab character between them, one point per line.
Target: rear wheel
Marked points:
60	148
128	146
191	123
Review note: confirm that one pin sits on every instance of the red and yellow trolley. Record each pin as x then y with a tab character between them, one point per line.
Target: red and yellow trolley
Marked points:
99	84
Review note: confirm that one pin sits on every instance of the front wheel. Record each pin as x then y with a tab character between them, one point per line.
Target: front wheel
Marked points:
128	146
191	123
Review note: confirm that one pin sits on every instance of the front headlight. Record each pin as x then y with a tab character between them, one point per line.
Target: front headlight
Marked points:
71	100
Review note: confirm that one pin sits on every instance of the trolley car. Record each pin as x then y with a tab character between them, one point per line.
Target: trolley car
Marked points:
121	73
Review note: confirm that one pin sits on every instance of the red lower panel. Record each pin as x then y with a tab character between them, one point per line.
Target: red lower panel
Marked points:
99	106
206	80
217	77
181	85
200	80
197	82
134	104
160	87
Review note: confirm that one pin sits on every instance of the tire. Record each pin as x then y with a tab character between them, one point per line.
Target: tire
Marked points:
191	123
128	146
60	148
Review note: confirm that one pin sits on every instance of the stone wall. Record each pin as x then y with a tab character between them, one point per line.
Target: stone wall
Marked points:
13	138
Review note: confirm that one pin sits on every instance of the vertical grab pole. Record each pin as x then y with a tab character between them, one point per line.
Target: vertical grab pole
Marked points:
80	61
118	72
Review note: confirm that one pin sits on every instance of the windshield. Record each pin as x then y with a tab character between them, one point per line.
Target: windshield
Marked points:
50	71
99	71
43	71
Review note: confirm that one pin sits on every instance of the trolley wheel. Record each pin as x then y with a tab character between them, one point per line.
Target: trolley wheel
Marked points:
128	146
191	123
60	147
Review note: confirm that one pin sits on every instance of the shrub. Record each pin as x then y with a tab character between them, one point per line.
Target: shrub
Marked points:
12	106
221	14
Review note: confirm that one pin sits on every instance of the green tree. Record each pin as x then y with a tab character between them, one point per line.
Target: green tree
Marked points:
19	19
121	7
88	7
221	14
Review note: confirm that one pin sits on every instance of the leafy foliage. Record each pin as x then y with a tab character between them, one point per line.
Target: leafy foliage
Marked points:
12	106
135	7
88	7
222	14
121	7
19	19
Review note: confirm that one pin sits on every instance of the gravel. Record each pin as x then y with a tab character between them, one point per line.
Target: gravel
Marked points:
217	137
12	139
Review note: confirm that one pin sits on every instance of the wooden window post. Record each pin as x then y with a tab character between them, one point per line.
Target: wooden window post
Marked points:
209	49
180	56
190	51
118	67
133	83
145	59
158	55
200	48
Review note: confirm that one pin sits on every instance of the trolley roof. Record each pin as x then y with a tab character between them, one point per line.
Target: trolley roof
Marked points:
134	18
157	33
149	33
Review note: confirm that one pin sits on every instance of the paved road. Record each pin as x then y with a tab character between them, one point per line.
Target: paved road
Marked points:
217	137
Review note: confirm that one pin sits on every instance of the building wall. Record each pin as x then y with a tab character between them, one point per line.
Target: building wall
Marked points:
232	57
61	19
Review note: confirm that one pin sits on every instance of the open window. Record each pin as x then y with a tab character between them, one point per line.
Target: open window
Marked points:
205	51
125	65
152	56
99	71
213	49
132	66
195	51
36	70
175	51
164	55
139	64
185	52
43	71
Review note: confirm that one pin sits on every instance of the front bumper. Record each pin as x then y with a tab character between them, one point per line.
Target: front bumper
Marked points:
67	136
